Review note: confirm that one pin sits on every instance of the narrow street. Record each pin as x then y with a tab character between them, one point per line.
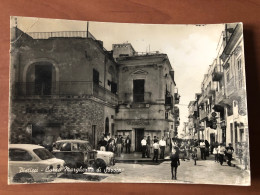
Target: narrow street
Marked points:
207	172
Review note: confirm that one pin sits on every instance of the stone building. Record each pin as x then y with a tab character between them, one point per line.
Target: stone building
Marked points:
67	84
146	95
235	86
63	83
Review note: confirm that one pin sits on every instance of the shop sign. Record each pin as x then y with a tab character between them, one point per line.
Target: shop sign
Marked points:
138	122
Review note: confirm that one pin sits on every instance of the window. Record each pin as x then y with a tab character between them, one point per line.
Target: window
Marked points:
240	73
95	77
228	76
19	155
43	154
138	90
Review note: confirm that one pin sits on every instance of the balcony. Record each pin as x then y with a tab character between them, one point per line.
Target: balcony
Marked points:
203	114
64	89
177	98
126	98
217	75
220	96
210	92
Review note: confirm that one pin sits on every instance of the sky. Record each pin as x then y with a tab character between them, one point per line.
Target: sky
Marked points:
190	48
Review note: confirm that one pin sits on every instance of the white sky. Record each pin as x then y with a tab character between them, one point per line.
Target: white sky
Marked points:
190	48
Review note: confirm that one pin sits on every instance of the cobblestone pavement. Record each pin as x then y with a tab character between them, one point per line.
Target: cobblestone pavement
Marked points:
205	172
208	171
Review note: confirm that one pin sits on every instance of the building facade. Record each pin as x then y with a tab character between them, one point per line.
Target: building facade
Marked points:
67	84
61	86
222	104
146	95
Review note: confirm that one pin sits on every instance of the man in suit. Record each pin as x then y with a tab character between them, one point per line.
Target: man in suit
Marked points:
127	144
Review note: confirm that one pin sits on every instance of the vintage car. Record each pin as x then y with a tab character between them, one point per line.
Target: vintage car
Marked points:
32	163
80	153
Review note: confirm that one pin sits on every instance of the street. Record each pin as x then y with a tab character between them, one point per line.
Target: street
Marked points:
205	172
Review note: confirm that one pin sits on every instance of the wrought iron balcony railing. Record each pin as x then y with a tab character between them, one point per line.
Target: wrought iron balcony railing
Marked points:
64	89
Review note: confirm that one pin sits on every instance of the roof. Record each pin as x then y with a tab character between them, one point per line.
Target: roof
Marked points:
25	146
73	141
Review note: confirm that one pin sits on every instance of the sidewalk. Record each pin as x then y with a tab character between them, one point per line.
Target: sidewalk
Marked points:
136	157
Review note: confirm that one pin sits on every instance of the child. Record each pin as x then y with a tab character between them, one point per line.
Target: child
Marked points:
215	152
175	162
195	156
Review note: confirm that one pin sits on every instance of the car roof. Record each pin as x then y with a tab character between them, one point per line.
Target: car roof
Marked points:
25	146
73	141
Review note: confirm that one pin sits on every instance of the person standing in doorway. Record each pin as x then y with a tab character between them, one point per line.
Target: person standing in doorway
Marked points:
155	150
143	143
162	144
127	144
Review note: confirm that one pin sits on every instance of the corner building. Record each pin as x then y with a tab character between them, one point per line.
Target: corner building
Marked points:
146	95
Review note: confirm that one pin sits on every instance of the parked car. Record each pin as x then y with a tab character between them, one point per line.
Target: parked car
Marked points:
80	153
32	163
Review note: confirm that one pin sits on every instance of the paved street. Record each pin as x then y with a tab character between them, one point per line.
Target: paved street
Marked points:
207	171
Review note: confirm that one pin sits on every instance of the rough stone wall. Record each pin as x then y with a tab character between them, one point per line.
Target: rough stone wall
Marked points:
74	115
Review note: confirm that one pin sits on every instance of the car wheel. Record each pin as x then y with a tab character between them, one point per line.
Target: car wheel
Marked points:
100	164
23	178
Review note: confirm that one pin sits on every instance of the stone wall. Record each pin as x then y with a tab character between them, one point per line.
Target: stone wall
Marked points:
69	117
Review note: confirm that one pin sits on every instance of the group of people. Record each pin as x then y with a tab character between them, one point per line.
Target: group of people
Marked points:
220	151
115	144
153	146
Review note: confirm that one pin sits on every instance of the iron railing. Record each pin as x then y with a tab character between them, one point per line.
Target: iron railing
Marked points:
64	89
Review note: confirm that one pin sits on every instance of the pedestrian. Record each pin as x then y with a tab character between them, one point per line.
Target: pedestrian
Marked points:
182	151
127	144
229	152
221	152
151	146
175	162
155	150
215	152
162	144
102	144
115	141
195	155
202	150
119	145
206	148
143	143
148	144
123	144
188	150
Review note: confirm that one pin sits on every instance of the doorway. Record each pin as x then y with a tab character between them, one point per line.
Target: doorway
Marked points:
139	134
43	79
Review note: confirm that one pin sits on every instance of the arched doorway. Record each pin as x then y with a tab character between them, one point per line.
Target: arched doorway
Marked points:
107	126
41	79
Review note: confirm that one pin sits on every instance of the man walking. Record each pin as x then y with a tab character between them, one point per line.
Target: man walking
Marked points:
162	144
155	150
127	144
143	143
